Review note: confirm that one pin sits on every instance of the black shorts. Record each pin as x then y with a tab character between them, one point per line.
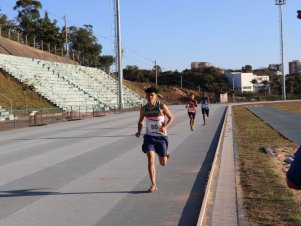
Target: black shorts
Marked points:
191	114
205	111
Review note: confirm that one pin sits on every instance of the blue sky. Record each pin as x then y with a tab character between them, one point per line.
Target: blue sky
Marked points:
228	34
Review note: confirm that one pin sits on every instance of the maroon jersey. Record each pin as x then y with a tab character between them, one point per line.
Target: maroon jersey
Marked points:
192	105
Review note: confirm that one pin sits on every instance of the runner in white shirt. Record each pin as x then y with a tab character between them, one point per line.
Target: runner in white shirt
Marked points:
155	139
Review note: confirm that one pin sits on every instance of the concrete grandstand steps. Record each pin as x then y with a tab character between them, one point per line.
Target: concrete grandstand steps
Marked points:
68	86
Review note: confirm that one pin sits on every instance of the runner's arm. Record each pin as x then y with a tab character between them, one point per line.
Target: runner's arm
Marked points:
140	122
169	117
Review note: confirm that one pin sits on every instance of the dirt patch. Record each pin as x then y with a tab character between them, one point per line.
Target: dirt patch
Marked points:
281	154
170	94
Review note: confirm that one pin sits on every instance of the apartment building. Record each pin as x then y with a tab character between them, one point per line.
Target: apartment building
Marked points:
294	67
200	65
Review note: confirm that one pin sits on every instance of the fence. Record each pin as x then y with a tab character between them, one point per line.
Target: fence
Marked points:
44	116
255	97
49	47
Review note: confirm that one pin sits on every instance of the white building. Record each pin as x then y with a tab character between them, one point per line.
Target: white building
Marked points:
241	82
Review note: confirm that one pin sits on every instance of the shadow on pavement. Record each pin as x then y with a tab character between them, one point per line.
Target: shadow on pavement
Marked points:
193	205
38	192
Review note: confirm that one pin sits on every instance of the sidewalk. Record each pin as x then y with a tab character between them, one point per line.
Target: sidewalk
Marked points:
221	205
225	204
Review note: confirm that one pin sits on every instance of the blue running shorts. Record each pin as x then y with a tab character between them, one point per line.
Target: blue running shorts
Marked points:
159	144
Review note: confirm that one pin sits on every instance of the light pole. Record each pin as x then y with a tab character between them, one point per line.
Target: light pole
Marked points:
281	3
66	37
156	71
119	55
181	81
233	88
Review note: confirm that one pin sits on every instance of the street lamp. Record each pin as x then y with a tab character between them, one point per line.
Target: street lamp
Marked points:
281	3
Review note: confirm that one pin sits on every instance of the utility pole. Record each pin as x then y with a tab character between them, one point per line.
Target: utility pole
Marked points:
233	88
281	3
119	55
181	81
156	70
66	37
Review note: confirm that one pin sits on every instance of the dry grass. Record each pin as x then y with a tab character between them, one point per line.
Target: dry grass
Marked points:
289	106
11	89
267	199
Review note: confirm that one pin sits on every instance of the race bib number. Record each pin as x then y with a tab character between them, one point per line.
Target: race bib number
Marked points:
191	110
154	127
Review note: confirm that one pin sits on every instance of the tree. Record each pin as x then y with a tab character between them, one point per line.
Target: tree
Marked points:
106	62
132	67
247	68
254	82
48	31
28	16
6	24
159	70
266	84
82	40
299	14
293	84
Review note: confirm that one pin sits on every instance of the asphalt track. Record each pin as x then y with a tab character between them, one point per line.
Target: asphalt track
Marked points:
286	123
92	172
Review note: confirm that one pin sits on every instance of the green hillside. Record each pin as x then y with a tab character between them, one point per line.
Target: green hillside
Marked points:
22	97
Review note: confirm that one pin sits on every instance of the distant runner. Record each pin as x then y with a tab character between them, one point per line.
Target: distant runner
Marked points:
155	139
205	107
192	107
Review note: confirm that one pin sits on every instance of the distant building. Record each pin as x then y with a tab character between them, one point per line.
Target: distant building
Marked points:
275	67
295	67
241	82
200	65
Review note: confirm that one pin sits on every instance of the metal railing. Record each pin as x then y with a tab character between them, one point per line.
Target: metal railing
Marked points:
43	116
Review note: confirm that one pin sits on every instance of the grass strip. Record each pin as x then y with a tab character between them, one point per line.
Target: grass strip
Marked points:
20	99
266	198
288	106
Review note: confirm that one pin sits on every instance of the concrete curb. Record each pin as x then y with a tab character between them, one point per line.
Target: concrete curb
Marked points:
216	160
239	191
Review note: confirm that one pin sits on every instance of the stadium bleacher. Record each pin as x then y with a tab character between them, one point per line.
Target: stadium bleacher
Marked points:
69	86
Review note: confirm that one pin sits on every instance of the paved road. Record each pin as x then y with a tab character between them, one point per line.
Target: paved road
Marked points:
286	123
92	172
